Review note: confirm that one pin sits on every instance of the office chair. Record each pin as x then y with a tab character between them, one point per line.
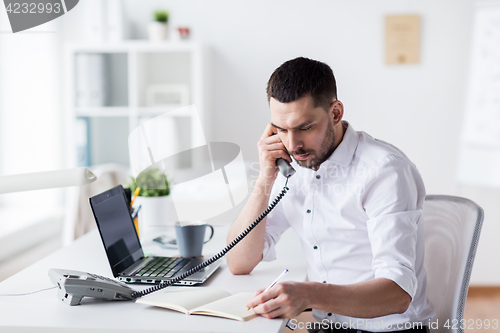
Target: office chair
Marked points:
452	226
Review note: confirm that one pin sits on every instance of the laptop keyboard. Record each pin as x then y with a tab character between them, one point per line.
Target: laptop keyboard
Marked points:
162	267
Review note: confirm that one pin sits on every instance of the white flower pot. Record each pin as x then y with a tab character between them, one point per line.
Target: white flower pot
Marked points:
157	31
156	213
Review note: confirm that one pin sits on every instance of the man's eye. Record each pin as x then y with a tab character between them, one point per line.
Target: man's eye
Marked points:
281	130
306	128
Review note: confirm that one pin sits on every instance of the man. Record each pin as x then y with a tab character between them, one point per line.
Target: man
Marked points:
355	202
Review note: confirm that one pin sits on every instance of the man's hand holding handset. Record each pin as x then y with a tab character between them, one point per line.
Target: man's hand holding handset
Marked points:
270	149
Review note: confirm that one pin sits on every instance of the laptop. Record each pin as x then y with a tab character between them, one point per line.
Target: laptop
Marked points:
124	250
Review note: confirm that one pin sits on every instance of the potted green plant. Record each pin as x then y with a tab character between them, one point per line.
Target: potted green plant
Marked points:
158	29
152	182
157	208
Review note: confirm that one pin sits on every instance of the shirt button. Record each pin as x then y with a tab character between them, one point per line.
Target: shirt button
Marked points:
308	211
318	176
330	314
315	247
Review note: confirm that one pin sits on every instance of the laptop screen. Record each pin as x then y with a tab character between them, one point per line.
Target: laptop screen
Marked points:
116	228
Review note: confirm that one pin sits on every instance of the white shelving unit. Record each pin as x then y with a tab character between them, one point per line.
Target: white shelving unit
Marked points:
108	87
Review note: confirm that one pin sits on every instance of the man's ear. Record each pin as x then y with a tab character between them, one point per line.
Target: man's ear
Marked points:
336	111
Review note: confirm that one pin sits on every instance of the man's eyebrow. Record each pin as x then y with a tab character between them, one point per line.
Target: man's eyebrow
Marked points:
277	126
304	124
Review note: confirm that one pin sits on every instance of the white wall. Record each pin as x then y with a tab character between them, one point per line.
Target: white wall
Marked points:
418	108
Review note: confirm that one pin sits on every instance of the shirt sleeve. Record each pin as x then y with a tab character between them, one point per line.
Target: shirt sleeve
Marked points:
393	201
276	225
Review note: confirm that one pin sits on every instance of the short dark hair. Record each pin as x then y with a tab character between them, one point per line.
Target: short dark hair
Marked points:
300	76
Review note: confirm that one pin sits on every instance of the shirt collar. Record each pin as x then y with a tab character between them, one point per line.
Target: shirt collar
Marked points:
344	152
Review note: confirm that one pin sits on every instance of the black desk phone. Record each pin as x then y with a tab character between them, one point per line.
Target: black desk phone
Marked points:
74	285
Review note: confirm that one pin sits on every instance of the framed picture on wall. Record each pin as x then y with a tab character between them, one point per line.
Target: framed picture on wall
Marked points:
159	95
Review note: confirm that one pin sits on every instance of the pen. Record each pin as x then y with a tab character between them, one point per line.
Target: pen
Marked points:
136	193
136	212
274	282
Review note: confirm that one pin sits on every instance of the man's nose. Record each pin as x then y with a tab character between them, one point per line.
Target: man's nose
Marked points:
294	141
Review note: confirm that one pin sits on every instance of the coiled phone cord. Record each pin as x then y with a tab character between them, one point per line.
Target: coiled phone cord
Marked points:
216	257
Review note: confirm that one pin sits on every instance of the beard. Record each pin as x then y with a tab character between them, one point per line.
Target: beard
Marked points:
317	157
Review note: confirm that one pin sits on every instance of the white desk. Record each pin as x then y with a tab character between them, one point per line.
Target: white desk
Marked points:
44	312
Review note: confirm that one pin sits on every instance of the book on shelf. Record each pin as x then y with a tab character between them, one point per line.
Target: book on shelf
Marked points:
203	301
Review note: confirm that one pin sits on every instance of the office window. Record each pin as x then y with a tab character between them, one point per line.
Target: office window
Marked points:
30	113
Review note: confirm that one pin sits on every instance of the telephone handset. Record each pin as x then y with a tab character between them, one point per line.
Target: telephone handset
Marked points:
285	168
74	285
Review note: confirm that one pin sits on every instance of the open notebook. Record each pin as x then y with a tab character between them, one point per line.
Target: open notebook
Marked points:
203	301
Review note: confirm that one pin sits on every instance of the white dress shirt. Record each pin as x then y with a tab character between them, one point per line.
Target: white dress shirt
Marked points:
358	218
